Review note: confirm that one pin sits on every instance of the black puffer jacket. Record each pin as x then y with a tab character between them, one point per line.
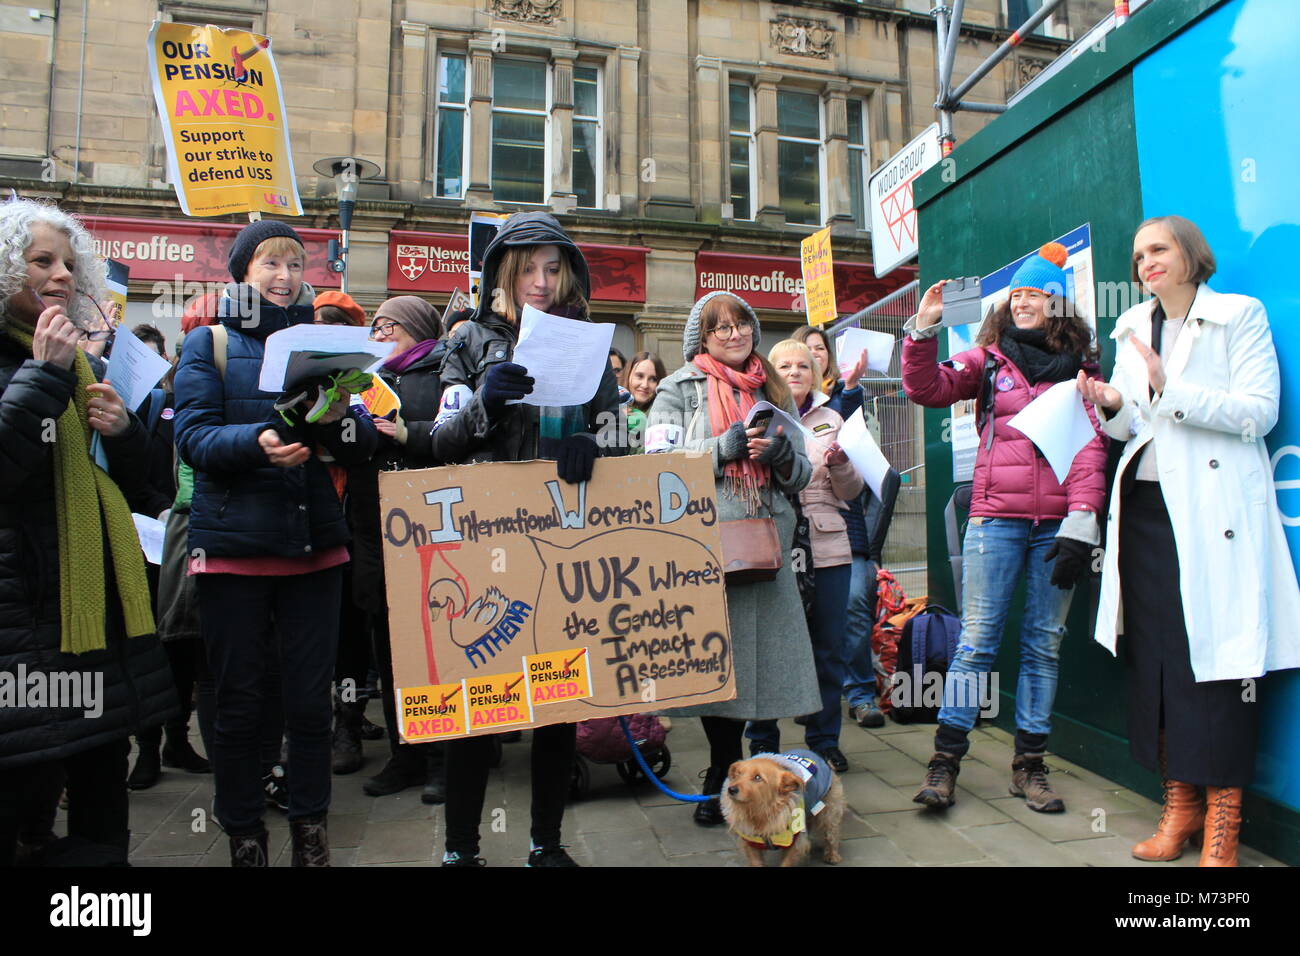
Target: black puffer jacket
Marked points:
131	677
463	432
419	389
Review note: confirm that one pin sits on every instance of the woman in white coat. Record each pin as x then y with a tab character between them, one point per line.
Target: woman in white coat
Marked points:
1197	575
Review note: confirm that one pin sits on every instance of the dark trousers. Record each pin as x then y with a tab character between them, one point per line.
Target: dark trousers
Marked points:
1211	729
97	802
294	619
468	763
354	637
827	625
182	657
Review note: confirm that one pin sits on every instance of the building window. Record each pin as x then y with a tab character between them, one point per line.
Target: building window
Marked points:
451	168
1018	11
859	161
587	153
519	104
741	142
799	147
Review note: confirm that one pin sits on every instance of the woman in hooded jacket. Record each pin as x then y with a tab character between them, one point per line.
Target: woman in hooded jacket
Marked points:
531	261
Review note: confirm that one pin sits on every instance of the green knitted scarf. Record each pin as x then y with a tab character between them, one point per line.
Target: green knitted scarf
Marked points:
86	502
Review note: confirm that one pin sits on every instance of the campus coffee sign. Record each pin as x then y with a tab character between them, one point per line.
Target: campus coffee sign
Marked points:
775	282
161	249
517	600
433	262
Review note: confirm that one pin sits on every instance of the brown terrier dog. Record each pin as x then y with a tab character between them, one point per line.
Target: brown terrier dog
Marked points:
764	805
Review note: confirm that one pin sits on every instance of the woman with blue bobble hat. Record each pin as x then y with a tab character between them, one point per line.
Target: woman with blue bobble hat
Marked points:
268	534
1025	526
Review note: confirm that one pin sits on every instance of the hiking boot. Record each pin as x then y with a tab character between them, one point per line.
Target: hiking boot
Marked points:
400	773
550	856
940	787
370	731
147	767
708	813
1029	780
311	845
867	715
249	850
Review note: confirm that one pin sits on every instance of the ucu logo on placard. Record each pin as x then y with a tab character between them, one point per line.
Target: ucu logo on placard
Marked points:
276	199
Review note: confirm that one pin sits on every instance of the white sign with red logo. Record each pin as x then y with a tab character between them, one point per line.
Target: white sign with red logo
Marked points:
893	213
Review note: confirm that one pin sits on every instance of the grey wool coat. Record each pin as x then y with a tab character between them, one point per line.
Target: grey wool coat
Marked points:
772	654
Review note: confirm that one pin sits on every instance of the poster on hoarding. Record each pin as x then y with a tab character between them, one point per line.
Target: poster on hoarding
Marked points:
518	600
218	97
996	288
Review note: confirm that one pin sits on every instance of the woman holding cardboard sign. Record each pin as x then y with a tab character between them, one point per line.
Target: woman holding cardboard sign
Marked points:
1197	561
702	407
1024	524
531	261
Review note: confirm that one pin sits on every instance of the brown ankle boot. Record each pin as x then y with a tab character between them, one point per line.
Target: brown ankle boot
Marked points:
1222	826
1180	820
311	845
940	787
1029	780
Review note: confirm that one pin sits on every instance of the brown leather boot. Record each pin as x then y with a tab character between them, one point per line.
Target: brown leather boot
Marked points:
940	787
1029	780
311	845
1181	819
1222	826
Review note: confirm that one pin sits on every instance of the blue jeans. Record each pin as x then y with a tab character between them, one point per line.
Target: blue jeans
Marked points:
859	673
826	628
996	555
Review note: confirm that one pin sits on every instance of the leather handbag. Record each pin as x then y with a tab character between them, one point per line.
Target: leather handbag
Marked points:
751	550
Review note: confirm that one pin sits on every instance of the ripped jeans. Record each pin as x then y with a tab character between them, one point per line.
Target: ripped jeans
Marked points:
996	555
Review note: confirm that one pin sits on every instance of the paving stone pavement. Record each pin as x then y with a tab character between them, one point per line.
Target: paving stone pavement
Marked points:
618	825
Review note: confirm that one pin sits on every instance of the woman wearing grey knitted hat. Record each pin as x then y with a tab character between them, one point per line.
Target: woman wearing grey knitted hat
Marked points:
702	407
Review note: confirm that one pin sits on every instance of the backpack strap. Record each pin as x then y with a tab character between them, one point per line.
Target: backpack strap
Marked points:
220	347
987	395
920	634
699	405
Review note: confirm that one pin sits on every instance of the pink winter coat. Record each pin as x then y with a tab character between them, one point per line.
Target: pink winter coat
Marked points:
1012	480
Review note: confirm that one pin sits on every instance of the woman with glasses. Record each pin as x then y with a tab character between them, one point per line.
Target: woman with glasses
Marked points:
413	326
74	600
702	407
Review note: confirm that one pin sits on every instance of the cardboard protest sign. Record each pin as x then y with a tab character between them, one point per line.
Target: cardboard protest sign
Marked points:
218	96
818	277
518	600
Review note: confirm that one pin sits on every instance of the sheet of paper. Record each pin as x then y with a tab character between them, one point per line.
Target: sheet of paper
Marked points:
879	346
1058	424
301	351
778	418
565	357
151	532
867	458
134	368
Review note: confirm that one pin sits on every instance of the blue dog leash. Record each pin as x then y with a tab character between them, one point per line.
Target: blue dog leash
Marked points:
645	768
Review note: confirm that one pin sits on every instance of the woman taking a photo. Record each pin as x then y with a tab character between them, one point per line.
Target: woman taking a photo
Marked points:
1024	524
530	262
834	481
73	594
702	407
640	378
1195	551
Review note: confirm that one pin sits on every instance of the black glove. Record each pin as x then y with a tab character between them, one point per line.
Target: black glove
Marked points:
577	454
1072	556
733	444
504	382
779	455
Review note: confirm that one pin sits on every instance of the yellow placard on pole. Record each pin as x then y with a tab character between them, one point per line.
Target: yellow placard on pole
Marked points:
218	96
818	277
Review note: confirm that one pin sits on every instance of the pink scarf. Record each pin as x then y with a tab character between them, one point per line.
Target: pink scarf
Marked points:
746	476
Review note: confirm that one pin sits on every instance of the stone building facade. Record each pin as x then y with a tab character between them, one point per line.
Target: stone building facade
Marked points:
675	138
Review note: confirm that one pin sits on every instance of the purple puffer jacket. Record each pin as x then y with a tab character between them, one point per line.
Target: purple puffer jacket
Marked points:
1012	480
